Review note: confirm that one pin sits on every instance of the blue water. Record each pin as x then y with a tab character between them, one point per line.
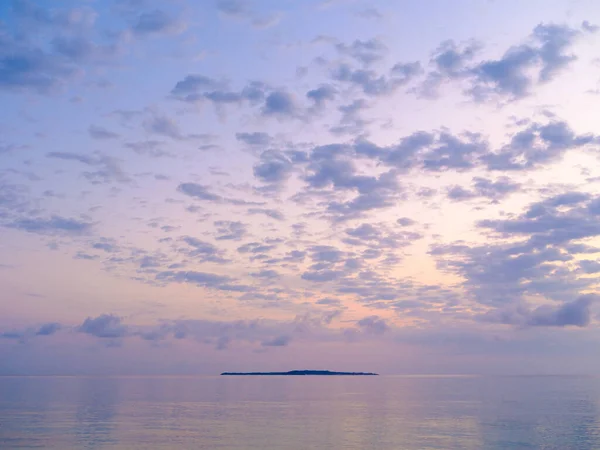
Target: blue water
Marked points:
386	412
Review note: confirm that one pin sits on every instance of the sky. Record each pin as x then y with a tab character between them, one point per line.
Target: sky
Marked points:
191	187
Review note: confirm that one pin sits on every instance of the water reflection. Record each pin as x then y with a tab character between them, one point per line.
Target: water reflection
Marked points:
95	417
542	412
299	413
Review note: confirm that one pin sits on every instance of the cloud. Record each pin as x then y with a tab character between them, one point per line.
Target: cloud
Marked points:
366	52
379	237
531	146
498	275
402	155
203	279
252	94
104	326
199	88
235	8
373	325
204	251
322	276
528	258
108	167
329	302
53	225
370	13
203	192
536	145
107	245
320	253
70	19
405	221
100	133
280	104
194	83
240	9
75	48
14	198
351	121
295	256
255	247
48	329
199	191
509	75
149	148
274	167
406	72
255	139
450	62
10	148
221	334
228	230
272	213
266	274
47	66
31	69
485	188
164	126
13	335
576	313
332	172
321	95
377	192
373	84
156	22
80	50
590	28
279	341
589	266
547	224
224	335
85	256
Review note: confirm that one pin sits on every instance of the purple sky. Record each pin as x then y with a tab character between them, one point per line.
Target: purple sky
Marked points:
194	187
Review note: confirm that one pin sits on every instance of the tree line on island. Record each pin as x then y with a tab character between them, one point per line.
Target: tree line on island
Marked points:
301	372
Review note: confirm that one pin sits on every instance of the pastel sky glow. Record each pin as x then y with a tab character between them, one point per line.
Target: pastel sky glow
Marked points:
199	186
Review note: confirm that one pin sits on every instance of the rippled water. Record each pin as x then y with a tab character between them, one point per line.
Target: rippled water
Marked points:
386	412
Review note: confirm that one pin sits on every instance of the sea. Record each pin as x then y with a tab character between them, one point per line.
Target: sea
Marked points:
302	412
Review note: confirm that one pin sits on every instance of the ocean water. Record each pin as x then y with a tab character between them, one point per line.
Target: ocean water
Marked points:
385	412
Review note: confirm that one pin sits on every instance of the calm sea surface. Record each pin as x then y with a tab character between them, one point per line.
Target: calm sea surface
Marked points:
385	412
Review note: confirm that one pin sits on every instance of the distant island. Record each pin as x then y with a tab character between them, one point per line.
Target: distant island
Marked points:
302	372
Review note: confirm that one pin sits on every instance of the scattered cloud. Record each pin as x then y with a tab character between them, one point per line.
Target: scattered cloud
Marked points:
156	22
373	325
52	225
203	251
272	213
98	132
279	341
296	179
576	313
241	10
203	192
485	188
228	230
366	52
106	326
108	168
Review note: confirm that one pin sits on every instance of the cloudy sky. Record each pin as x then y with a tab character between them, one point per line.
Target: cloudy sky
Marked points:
199	186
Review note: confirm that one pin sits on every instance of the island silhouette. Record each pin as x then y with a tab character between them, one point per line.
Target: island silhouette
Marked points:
302	372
